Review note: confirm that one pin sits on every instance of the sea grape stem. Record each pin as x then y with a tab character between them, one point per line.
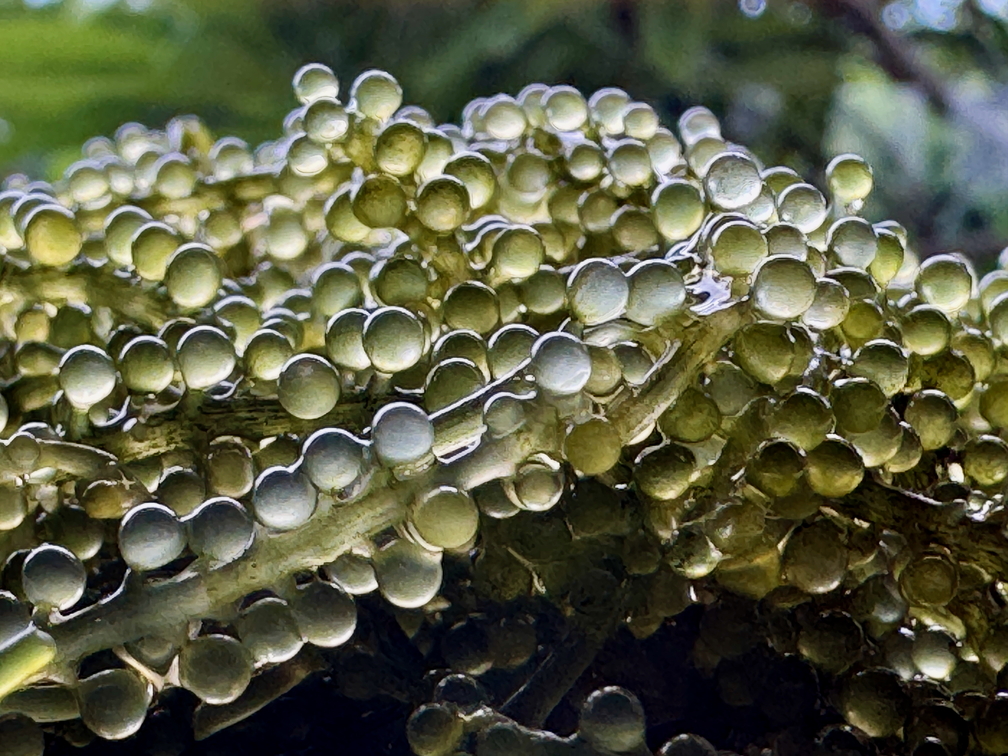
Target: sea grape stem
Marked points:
252	418
633	414
139	609
145	608
84	285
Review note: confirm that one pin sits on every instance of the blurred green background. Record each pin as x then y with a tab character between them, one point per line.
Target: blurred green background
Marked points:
919	87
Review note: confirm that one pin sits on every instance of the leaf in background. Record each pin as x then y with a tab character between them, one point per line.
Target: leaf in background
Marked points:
69	77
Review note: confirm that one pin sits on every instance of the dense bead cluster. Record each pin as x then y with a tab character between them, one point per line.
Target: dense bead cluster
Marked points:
558	350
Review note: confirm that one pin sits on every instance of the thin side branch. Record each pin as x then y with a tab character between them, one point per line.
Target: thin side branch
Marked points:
896	54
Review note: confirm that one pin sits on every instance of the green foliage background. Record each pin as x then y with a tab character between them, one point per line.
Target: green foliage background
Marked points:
798	82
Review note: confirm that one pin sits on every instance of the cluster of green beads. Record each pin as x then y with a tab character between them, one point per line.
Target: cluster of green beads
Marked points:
554	335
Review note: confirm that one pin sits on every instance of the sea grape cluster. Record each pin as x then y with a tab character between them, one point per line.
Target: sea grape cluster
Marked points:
555	351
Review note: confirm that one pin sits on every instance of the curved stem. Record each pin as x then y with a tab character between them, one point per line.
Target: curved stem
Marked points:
139	609
262	691
632	414
146	608
534	701
252	418
87	285
928	522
